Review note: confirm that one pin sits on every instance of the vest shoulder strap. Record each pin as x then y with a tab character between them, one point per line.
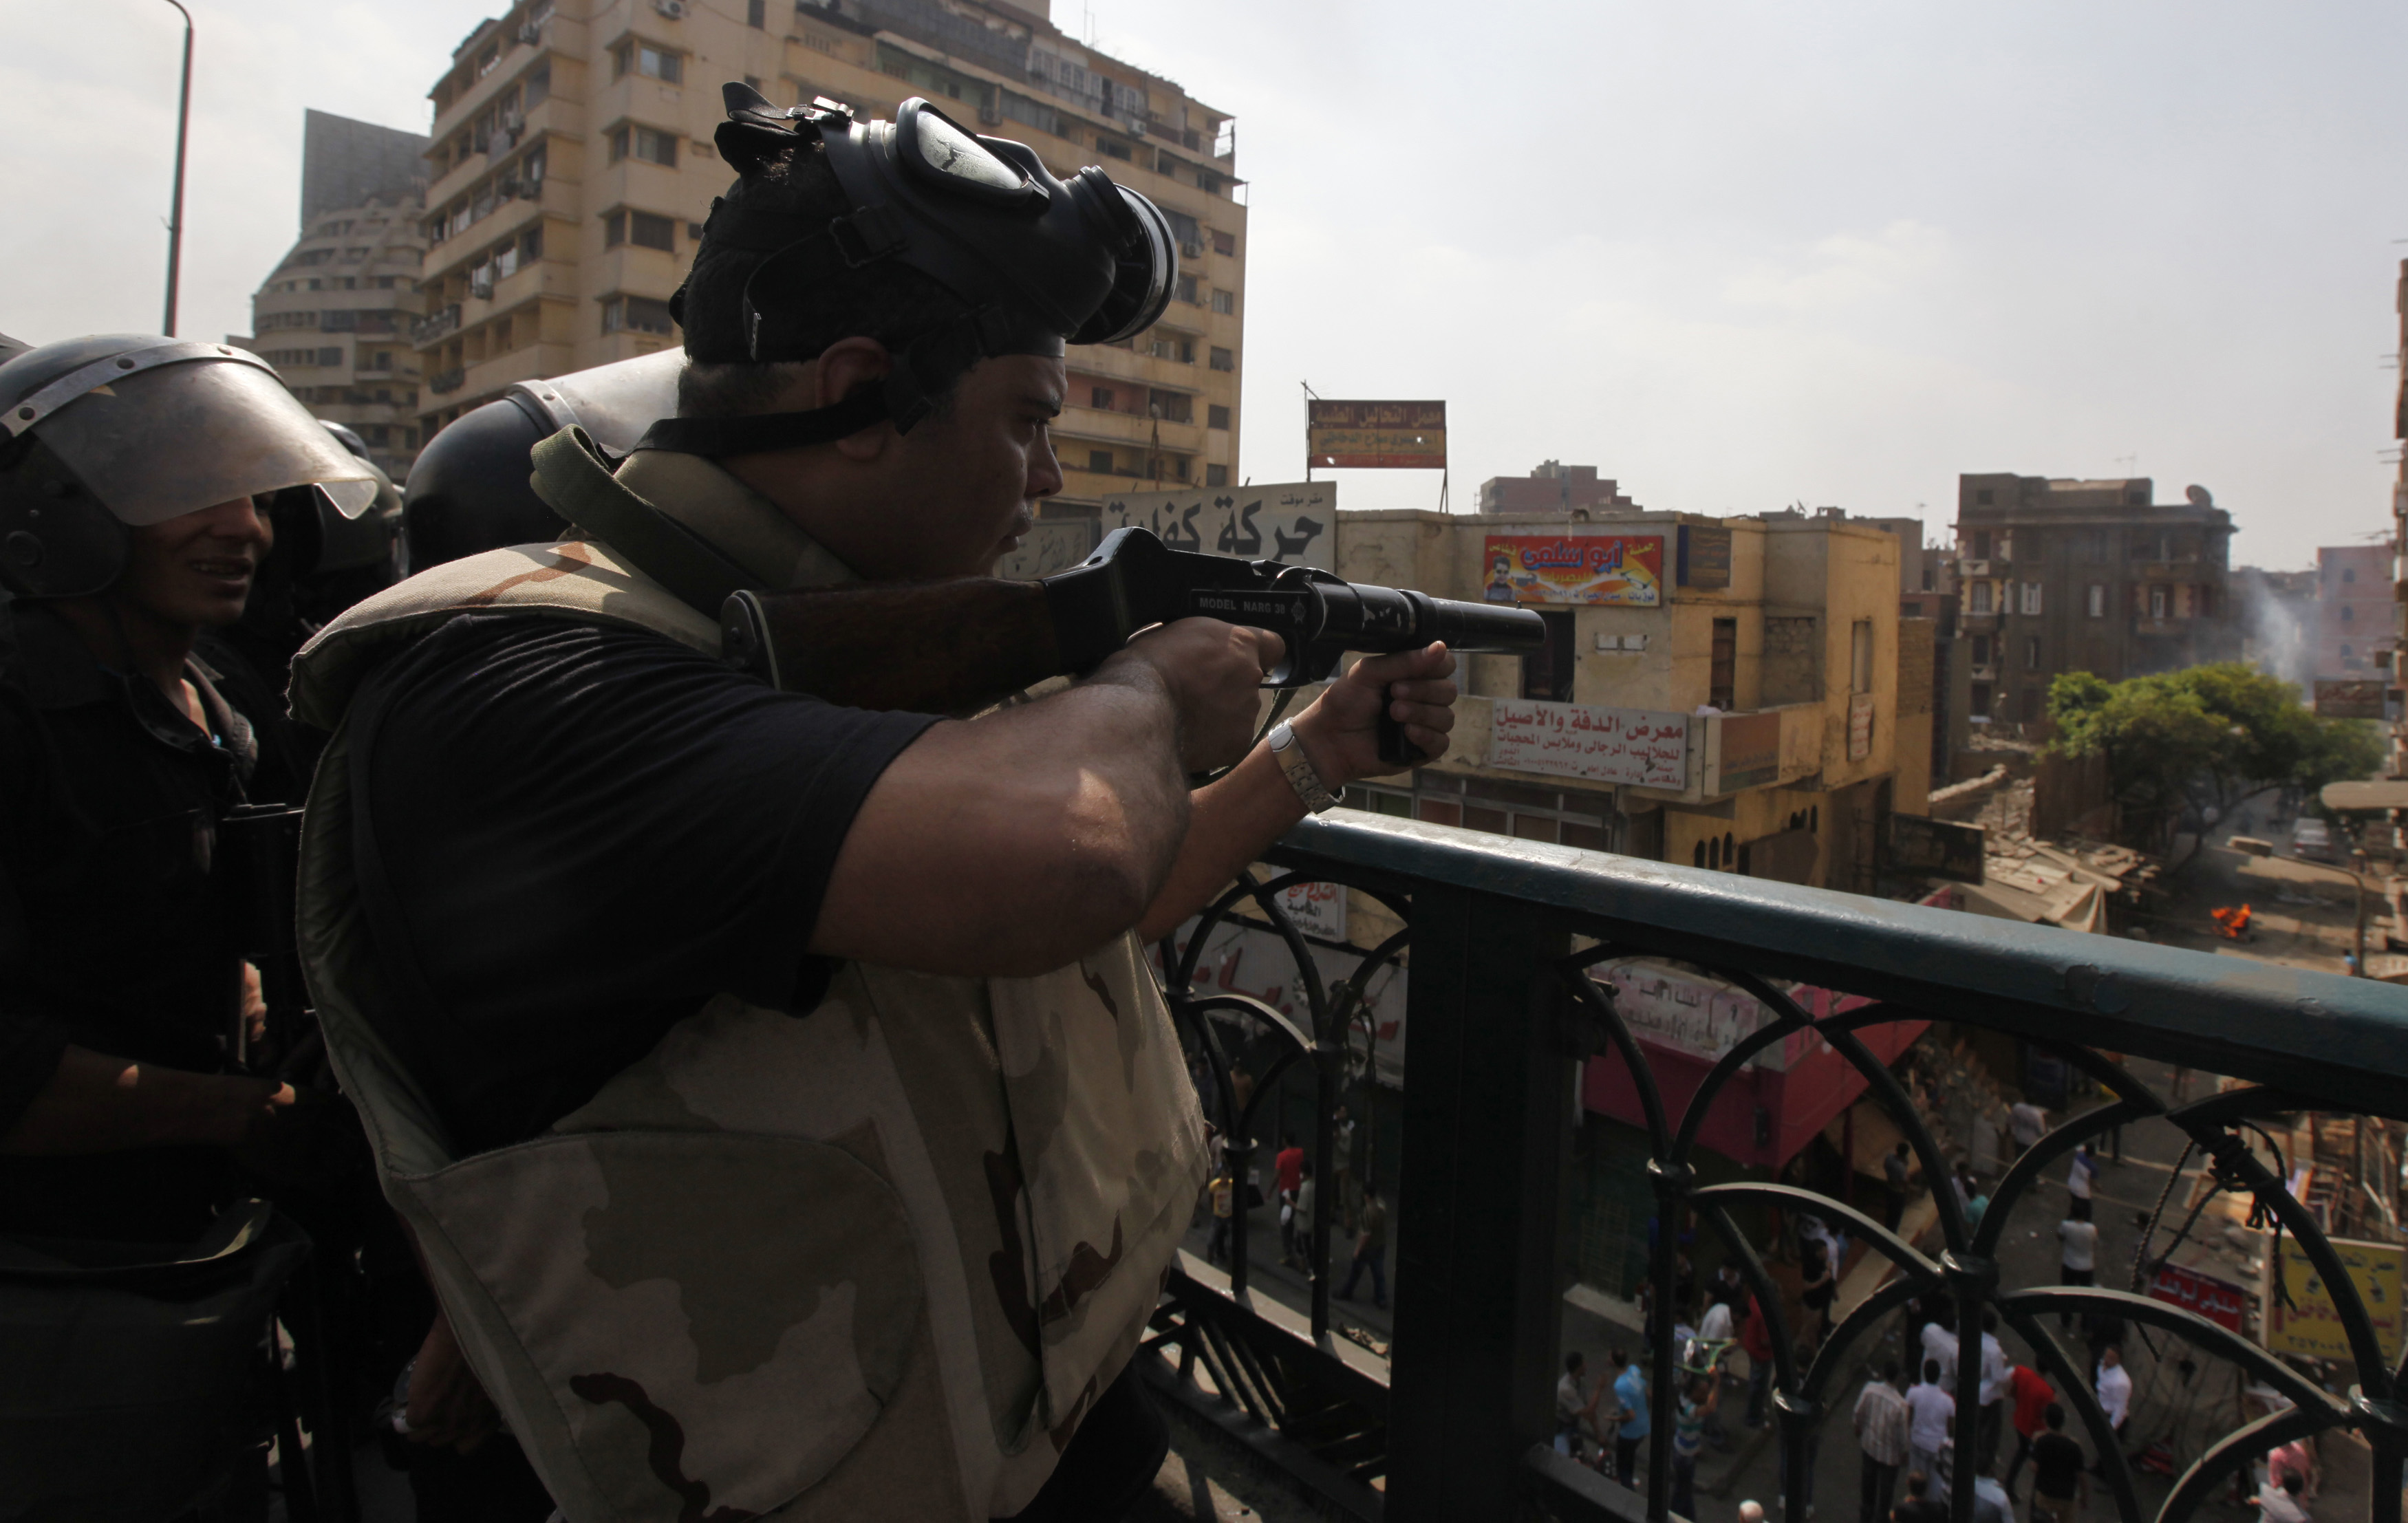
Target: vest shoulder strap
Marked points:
570	475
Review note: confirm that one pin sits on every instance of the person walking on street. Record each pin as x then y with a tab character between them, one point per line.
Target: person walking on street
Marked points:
2033	1396
1990	1501
1303	1221
1898	1173
2061	1486
1630	1391
1755	1342
1931	1413
2027	1123
1919	1505
1881	1421
2082	1176
1370	1249
1997	1383
2079	1255
1688	1438
1288	1166
1576	1411
2115	1386
2278	1501
1216	1248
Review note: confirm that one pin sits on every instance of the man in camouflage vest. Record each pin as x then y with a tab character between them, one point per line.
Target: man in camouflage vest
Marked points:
777	1091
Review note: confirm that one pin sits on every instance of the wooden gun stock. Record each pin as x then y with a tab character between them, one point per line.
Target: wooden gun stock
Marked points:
928	648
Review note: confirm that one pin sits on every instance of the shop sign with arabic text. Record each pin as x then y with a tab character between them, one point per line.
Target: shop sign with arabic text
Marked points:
1645	747
1625	569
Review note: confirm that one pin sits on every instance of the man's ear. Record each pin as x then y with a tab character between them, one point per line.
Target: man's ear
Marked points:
846	367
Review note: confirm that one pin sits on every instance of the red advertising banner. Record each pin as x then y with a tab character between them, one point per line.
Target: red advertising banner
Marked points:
1376	435
1627	569
2219	1303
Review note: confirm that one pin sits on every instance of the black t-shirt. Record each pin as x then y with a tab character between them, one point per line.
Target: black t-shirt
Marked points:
2056	1464
573	837
115	922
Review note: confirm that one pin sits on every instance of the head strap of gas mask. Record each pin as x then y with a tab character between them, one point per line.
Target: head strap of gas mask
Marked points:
1034	261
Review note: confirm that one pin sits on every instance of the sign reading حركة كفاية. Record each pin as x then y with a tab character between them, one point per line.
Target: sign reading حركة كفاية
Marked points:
1622	569
1644	747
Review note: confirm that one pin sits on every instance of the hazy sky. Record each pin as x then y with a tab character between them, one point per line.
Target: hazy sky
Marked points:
1735	255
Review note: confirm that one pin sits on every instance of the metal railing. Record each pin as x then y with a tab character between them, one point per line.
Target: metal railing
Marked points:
426	330
444	382
1503	936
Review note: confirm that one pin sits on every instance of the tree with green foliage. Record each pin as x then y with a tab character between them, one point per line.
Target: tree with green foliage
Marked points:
2207	735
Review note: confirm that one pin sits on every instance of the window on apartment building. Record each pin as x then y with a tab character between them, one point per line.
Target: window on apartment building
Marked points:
647	231
1100	461
1170	406
330	357
2158	601
2031	597
1547	672
629	141
1187	290
2031	652
1980	549
2347	613
756	14
1101	397
649	59
2097	605
635	314
1979	701
2349	573
1981	497
615	228
1216	476
1722	672
1860	655
1216	416
1222	359
1224	243
2346	652
1225	302
1980	650
1977	598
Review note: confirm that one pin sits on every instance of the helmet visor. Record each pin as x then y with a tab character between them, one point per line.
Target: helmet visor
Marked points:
173	440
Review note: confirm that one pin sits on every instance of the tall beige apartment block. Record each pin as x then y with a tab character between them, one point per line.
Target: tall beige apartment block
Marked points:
336	316
572	167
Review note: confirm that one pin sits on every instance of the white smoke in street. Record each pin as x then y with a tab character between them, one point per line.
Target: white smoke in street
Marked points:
2276	611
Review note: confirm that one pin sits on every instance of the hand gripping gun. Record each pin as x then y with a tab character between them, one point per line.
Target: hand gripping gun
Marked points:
955	646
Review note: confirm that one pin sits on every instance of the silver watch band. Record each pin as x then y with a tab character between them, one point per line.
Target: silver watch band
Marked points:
1299	769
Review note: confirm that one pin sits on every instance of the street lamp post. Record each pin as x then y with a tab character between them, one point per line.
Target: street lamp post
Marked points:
175	206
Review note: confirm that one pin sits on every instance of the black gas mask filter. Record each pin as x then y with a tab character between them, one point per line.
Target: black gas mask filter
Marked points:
1035	262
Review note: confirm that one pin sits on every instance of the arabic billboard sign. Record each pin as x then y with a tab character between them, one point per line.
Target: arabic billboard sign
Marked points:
1316	909
1295	522
2349	698
1647	747
1742	750
2218	1302
1625	569
2311	1325
1375	436
1705	555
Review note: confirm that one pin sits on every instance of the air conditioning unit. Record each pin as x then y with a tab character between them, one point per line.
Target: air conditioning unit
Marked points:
989	116
673	9
1191	250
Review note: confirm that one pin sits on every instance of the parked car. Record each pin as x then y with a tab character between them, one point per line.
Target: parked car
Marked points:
2312	841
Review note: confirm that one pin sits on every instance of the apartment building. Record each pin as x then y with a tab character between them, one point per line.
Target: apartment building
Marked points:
334	317
2069	576
1552	487
2354	611
573	165
1727	692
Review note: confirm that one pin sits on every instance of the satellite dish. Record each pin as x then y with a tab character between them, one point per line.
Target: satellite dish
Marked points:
2200	496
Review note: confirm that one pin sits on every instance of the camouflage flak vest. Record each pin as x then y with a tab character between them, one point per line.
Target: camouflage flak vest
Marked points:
871	1260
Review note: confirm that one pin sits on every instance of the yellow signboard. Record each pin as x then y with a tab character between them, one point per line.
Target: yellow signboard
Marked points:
2310	1324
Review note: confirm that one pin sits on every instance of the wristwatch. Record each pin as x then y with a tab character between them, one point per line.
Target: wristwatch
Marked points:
1289	754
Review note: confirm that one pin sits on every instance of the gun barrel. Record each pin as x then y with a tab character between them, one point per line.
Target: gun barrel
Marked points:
1357	617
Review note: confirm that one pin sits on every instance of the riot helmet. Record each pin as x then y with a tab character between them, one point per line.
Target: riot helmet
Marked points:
468	491
104	434
1025	261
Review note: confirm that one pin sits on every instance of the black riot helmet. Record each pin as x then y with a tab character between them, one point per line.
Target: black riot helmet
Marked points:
1026	261
104	434
468	491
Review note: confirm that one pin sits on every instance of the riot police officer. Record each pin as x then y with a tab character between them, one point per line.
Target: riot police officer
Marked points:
779	1090
143	484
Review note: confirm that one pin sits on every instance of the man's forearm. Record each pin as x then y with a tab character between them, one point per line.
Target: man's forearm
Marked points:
1231	823
95	1103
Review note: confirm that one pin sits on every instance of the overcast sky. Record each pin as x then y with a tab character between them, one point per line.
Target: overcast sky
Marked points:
1735	255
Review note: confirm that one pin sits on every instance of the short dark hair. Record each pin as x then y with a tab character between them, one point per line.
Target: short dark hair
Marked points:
1620	1356
2055	1415
1989	1321
1889	1369
884	299
1573	1360
1916	1482
2291	1482
1931	1372
2080	1208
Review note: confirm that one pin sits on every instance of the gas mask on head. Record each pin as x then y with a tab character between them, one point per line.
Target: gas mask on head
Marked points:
1034	261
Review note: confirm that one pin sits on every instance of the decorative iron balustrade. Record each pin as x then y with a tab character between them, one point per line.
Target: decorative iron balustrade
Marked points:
445	382
1504	935
426	330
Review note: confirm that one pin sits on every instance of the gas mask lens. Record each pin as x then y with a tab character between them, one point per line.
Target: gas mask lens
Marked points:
938	150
